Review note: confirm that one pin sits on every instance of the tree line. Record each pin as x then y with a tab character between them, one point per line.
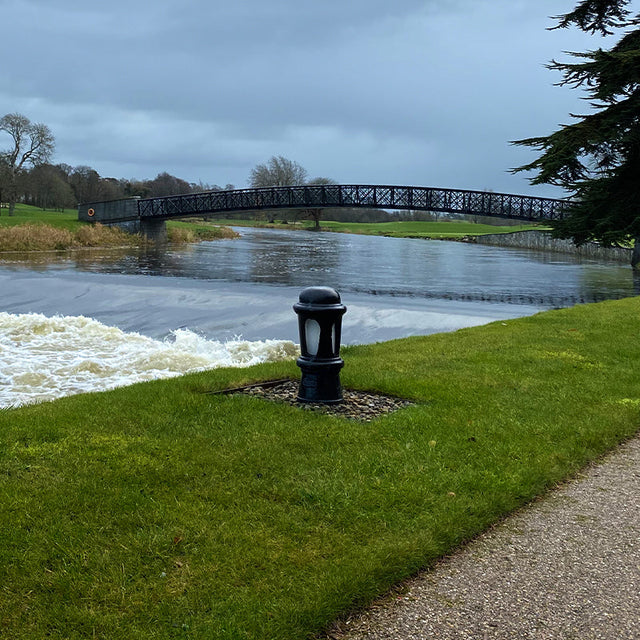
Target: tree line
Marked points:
62	186
27	176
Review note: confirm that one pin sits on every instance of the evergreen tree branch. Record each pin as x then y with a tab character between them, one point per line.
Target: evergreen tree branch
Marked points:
594	16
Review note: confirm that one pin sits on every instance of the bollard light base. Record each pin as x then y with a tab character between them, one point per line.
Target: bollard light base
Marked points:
320	382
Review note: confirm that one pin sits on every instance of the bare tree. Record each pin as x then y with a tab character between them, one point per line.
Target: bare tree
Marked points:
277	172
322	181
33	144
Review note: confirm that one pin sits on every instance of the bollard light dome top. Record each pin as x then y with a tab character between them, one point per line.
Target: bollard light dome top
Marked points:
324	296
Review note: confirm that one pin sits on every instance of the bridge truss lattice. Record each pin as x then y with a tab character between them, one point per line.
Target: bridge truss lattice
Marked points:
480	203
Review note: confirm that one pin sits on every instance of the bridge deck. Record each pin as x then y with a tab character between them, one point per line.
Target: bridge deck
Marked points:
482	203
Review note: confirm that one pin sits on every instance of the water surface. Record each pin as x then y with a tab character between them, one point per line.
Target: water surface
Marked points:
105	318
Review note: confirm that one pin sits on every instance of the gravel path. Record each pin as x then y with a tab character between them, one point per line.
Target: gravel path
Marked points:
565	567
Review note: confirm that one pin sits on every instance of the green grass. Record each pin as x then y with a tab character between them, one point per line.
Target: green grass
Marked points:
161	511
445	229
436	230
24	214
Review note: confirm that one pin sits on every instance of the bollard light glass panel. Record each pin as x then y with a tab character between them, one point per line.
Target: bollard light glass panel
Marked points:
320	312
312	336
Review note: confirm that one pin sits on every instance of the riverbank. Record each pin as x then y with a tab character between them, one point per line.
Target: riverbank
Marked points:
44	237
444	229
163	509
543	241
69	232
535	236
33	230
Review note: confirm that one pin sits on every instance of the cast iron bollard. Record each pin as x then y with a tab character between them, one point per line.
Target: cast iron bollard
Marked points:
320	322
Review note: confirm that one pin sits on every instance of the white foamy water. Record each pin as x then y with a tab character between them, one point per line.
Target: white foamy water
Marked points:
43	358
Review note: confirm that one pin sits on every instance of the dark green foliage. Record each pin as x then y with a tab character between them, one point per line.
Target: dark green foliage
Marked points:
597	157
596	15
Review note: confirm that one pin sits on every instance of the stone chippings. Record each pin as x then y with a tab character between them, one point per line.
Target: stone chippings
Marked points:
356	405
567	567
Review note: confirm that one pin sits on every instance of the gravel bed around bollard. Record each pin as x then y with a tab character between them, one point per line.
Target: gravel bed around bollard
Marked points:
356	405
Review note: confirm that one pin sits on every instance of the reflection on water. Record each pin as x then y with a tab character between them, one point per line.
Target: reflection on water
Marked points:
370	265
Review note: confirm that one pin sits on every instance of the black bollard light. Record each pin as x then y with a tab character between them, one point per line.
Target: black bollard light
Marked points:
320	314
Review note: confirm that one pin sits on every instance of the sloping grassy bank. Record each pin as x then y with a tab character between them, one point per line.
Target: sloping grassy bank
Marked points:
161	511
26	214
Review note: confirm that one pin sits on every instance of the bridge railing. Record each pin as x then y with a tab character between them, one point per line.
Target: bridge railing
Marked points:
482	203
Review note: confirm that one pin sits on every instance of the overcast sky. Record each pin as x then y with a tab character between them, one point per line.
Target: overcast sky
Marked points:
420	92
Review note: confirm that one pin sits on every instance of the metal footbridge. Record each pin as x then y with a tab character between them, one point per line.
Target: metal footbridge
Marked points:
148	215
437	200
482	203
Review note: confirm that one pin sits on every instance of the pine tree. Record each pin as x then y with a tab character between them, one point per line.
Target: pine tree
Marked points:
597	157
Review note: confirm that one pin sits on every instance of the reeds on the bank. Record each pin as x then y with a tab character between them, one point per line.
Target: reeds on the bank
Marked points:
45	237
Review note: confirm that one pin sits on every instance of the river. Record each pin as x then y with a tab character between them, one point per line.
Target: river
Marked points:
91	320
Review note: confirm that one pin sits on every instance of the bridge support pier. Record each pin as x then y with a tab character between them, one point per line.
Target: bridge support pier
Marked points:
155	230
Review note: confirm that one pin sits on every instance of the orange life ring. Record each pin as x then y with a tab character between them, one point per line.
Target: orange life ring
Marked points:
91	213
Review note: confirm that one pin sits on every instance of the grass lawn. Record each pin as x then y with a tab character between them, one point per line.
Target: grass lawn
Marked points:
444	229
436	230
25	214
162	511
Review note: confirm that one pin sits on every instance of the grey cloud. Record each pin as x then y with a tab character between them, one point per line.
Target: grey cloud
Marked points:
364	90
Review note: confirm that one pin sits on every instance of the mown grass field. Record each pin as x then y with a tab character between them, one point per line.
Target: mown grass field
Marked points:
162	511
443	229
25	214
435	230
